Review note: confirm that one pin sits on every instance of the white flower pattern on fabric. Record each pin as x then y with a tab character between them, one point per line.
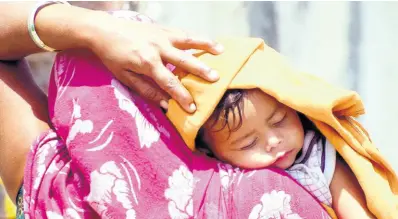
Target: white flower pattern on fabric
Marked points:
105	182
41	158
179	193
228	174
274	205
53	168
42	153
68	214
53	215
71	213
102	146
60	67
146	132
79	126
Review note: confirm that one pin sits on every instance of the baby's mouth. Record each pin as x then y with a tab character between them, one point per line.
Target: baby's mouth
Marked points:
280	156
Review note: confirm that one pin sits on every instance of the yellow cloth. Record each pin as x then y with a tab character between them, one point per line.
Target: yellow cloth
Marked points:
9	209
249	63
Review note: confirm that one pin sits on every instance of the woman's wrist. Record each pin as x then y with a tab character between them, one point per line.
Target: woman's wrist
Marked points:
31	23
95	24
59	26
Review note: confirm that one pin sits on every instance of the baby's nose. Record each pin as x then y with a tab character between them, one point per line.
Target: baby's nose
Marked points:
273	142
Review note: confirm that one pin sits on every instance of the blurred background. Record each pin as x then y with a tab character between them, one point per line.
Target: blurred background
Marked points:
350	44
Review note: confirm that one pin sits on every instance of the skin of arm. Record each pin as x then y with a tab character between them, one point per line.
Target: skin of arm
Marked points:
348	197
57	25
23	117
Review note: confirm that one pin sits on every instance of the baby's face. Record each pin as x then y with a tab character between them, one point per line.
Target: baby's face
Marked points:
271	134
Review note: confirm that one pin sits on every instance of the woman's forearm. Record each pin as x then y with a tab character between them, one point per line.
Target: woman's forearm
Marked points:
58	26
125	46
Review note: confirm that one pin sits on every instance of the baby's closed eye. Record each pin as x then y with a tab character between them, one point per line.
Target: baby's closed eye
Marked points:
250	145
279	118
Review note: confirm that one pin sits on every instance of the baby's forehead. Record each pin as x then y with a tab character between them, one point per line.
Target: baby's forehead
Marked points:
254	105
254	102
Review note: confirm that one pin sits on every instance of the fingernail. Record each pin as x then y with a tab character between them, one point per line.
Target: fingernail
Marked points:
213	75
219	48
192	107
164	104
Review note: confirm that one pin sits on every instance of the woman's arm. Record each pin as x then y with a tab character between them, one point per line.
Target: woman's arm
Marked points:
59	26
125	47
348	197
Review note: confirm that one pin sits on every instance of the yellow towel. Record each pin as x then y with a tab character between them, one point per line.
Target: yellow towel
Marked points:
8	210
249	63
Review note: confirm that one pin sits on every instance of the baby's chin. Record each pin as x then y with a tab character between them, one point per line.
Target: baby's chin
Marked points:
284	165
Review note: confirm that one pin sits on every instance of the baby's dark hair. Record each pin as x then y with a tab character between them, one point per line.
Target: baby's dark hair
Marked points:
232	101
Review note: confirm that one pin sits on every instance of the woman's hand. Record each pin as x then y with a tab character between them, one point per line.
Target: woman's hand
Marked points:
136	53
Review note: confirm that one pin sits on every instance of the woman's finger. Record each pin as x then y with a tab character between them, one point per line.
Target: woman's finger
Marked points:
172	85
143	86
189	63
186	40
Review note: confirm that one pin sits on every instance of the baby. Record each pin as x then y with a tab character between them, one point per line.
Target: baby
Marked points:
251	129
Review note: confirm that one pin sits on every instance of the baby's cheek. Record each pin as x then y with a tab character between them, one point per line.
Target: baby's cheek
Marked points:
295	127
236	158
297	139
255	160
